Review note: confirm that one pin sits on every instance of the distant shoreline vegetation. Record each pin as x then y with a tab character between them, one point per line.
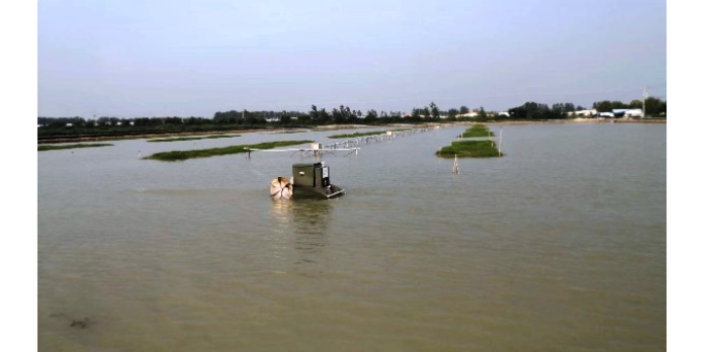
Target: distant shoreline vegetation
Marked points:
42	148
180	139
77	128
181	155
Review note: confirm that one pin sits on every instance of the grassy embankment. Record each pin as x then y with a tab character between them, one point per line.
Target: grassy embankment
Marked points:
477	131
471	149
180	139
42	148
179	155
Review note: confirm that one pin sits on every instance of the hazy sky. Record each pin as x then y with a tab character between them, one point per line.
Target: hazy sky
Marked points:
153	58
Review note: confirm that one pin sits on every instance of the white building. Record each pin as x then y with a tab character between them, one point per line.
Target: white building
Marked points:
588	112
629	113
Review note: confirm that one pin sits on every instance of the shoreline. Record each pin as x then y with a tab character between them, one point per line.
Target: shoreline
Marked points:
341	127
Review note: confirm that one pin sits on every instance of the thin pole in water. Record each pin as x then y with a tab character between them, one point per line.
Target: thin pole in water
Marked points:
501	134
456	166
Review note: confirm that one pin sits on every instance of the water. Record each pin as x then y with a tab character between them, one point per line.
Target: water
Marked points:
558	246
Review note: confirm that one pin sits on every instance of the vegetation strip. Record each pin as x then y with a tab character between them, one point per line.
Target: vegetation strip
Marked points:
180	155
179	139
471	149
71	146
288	132
477	131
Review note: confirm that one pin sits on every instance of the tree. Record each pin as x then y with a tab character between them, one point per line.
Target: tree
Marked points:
482	114
371	116
314	113
464	109
655	106
323	116
426	112
452	113
304	119
603	106
618	105
434	111
415	115
532	110
337	116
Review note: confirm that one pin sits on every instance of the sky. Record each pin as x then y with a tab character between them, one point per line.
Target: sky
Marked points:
193	58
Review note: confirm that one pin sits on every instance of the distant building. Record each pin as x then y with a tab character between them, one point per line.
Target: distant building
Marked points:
504	113
69	125
588	112
628	113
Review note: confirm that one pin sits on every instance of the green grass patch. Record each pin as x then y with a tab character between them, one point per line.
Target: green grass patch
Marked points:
71	146
180	139
477	131
471	149
180	155
288	132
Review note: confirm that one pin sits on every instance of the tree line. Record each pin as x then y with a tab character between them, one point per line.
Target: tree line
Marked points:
51	127
653	106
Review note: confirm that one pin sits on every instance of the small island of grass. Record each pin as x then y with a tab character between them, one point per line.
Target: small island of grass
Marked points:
477	131
180	155
71	146
181	139
471	149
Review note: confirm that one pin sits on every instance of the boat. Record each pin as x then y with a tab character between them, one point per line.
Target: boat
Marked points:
310	180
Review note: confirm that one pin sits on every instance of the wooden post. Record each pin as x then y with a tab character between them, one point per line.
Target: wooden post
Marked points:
501	134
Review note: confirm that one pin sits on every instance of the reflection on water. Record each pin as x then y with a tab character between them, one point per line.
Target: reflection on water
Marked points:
307	220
